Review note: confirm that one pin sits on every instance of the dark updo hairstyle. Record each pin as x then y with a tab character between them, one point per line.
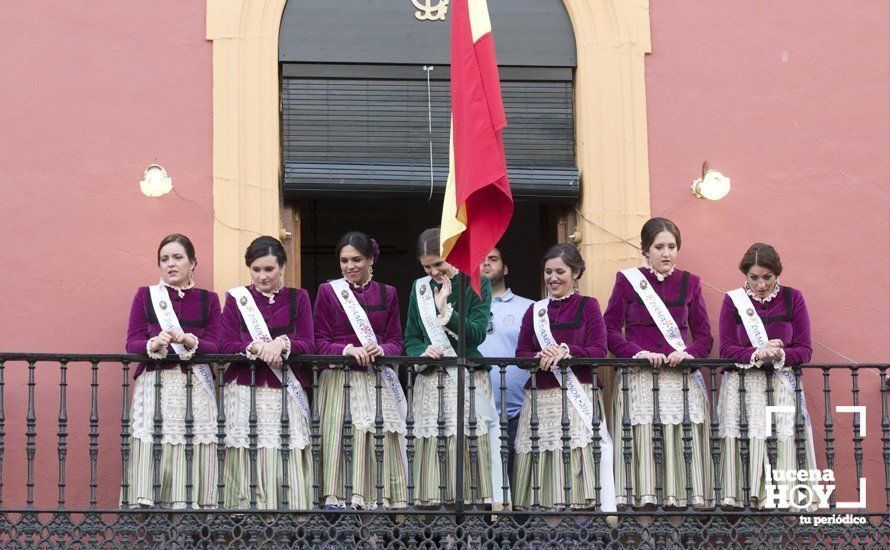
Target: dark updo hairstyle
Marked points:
763	255
366	245
569	254
428	243
181	239
265	246
653	227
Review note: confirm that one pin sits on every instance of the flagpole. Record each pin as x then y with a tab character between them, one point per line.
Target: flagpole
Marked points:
461	384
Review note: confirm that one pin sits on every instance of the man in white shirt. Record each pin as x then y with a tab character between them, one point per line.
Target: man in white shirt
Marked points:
504	322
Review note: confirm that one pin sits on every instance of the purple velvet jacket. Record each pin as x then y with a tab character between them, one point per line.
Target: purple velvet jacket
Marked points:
198	314
333	332
784	317
631	328
576	322
290	315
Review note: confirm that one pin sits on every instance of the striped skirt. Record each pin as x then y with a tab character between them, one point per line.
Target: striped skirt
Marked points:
731	464
672	473
173	476
273	479
544	483
435	479
364	489
429	480
173	471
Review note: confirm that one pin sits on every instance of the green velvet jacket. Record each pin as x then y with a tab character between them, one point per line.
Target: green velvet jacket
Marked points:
478	313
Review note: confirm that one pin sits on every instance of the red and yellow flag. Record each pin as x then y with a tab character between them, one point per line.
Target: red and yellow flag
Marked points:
478	203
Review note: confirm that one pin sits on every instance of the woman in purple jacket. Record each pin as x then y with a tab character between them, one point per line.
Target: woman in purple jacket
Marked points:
171	320
359	317
764	326
659	290
564	325
268	322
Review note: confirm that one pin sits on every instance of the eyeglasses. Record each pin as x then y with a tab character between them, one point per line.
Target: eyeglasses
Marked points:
490	322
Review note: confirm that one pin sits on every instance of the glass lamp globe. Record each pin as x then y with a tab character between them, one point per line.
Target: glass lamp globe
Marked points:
155	181
712	185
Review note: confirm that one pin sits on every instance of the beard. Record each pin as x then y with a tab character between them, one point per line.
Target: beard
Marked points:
496	277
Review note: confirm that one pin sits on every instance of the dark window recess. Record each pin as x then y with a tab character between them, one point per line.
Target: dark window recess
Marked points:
341	136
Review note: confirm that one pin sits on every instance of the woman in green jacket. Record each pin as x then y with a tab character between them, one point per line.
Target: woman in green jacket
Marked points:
432	331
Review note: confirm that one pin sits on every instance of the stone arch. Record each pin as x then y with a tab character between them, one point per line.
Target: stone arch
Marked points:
612	38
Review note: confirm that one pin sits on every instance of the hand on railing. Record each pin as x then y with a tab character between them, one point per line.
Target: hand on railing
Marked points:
655	359
365	355
433	352
677	357
551	355
270	353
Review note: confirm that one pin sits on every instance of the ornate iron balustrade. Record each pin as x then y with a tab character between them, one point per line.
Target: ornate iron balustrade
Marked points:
96	518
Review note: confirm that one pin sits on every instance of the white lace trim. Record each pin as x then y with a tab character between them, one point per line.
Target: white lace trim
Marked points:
364	285
778	365
769	298
162	354
249	354
286	341
670	396
190	352
180	290
661	277
426	404
560	299
363	402
268	412
549	409
271	295
173	409
445	315
729	406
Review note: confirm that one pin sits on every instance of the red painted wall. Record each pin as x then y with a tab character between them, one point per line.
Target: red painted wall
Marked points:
791	100
91	94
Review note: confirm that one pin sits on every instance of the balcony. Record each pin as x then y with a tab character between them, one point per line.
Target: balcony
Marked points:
65	439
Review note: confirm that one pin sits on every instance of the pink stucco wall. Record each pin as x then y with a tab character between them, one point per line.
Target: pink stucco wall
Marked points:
791	100
91	93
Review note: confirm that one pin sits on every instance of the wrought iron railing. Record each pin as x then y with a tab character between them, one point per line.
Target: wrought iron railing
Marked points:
94	510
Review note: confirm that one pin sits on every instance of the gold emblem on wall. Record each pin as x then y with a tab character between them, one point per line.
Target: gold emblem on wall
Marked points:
429	12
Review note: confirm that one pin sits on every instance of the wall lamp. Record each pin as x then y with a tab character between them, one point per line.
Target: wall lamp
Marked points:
712	185
155	181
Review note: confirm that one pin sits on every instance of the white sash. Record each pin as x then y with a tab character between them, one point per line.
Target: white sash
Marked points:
160	300
753	323
426	305
662	317
358	318
260	331
756	331
657	310
583	406
579	398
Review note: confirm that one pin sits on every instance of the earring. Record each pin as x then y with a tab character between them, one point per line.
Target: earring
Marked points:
280	281
191	276
370	272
